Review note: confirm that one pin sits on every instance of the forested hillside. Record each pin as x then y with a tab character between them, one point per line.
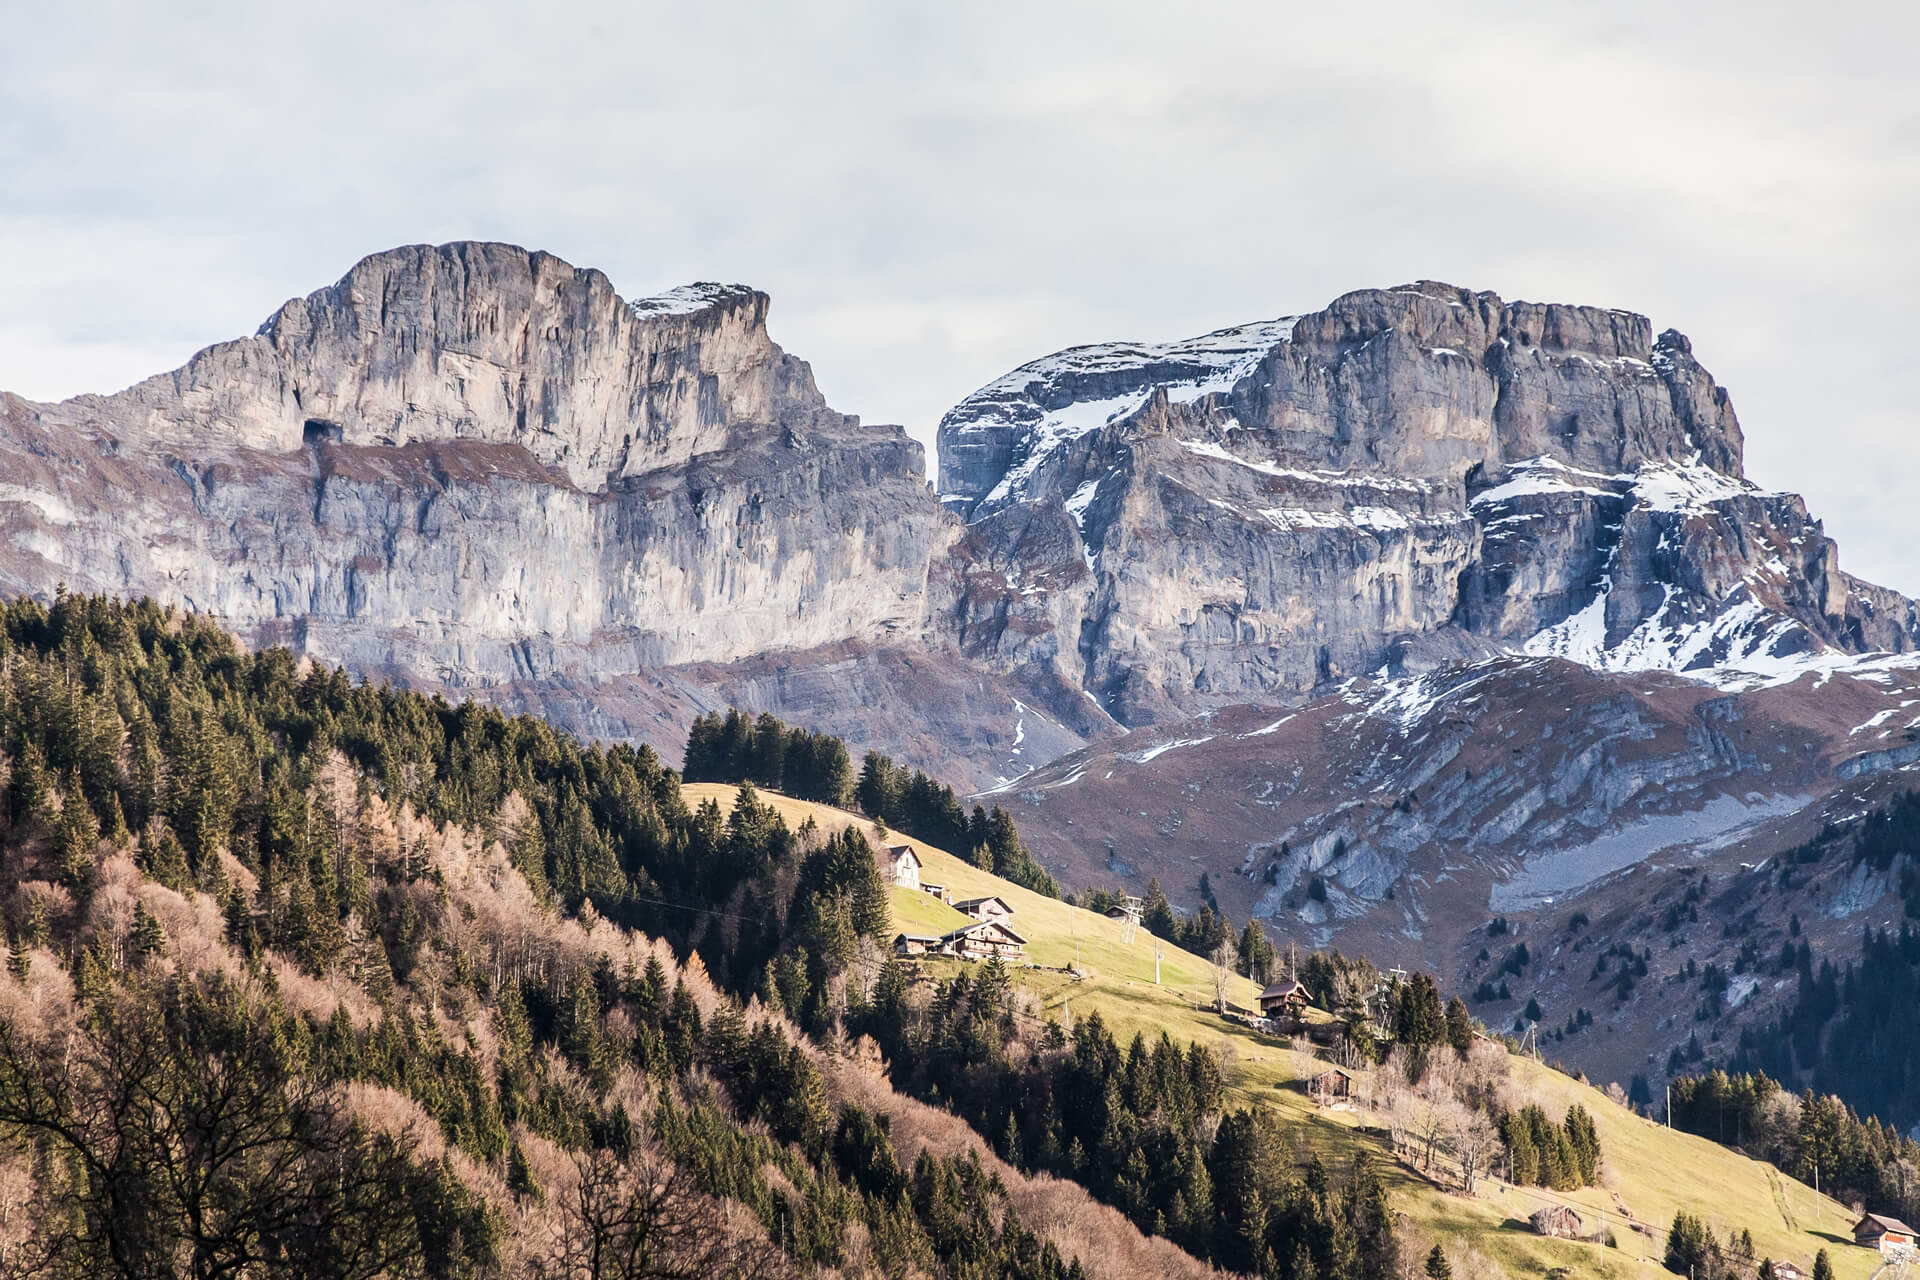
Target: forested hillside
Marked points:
309	978
814	766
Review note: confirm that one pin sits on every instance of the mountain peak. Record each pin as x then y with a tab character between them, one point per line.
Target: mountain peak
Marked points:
492	342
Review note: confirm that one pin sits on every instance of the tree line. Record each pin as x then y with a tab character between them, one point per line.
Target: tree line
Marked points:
1807	1134
737	747
310	977
1146	1128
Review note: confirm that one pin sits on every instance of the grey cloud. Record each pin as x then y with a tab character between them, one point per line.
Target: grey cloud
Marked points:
933	194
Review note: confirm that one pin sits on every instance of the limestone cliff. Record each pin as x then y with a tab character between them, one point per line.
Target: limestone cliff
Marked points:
1408	476
473	464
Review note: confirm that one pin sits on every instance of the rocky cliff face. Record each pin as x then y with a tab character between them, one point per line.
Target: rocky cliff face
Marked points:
473	464
479	467
488	343
1409	476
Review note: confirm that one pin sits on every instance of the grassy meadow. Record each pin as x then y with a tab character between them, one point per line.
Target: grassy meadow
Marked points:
1649	1172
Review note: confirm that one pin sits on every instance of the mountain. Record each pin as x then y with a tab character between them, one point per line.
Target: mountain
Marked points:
1427	610
1388	619
481	469
1408	477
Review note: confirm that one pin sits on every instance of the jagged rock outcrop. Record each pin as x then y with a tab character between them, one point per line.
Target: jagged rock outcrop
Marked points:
488	342
1408	476
473	464
479	467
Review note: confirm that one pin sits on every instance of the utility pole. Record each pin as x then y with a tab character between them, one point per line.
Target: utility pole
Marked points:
1669	1104
1156	962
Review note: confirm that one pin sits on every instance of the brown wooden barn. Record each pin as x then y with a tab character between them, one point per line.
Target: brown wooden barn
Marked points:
1890	1236
1332	1085
1284	998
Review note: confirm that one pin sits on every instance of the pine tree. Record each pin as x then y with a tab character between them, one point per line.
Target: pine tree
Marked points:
148	938
510	1024
36	925
520	1179
19	958
165	861
1459	1026
1822	1266
1157	912
79	841
1437	1267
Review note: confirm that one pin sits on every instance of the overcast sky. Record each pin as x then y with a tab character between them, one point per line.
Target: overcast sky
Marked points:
935	193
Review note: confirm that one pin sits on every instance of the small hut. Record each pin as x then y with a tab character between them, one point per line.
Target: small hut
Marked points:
1890	1237
1332	1085
1284	998
1557	1220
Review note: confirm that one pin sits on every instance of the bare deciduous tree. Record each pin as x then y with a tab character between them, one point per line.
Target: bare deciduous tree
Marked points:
641	1218
1224	957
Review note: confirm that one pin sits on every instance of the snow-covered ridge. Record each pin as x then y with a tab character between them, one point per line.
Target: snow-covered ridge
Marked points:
688	299
1746	646
1658	486
1210	363
1051	400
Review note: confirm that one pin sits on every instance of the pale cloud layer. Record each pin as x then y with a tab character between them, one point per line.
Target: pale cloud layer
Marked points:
933	194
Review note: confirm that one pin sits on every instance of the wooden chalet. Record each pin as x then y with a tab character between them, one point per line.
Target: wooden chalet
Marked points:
1284	998
983	941
915	944
1330	1086
1890	1236
1557	1220
984	908
904	865
936	891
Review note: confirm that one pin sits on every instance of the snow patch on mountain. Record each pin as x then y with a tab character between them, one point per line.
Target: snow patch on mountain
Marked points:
688	299
1062	397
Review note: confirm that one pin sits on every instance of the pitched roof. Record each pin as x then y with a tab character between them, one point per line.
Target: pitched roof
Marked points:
1280	988
904	850
978	925
992	897
1885	1224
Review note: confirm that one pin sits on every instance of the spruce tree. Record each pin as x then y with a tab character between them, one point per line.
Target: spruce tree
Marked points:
1437	1266
148	938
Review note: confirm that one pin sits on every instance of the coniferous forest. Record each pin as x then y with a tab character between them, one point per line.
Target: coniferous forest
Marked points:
814	766
311	977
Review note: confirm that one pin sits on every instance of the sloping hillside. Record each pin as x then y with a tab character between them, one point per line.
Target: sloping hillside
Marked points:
1650	1173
